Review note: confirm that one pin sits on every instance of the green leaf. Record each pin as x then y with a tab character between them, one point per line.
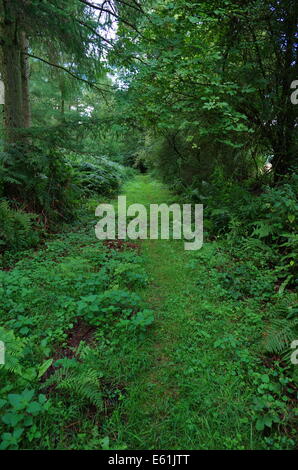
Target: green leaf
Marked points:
42	399
260	424
105	443
28	421
2	403
15	400
268	421
34	407
27	394
265	379
12	419
44	367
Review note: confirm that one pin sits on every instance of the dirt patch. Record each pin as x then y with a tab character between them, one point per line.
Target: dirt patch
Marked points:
80	332
121	245
7	269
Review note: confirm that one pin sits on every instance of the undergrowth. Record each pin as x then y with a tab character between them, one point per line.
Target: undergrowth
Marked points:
88	362
65	310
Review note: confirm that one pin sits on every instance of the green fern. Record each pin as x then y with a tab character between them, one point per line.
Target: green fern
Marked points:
280	334
15	228
14	352
80	378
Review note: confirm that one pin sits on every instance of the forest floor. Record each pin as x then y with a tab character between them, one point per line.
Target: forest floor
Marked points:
195	391
193	379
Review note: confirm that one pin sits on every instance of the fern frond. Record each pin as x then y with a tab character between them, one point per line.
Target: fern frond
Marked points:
13	352
79	379
280	334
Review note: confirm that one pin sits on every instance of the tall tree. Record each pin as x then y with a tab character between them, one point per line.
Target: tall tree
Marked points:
11	70
70	28
217	71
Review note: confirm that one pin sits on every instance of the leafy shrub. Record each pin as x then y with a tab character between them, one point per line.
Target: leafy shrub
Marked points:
271	401
40	302
98	309
273	213
246	280
42	180
16	229
102	176
266	216
139	322
126	274
283	327
259	227
280	334
20	415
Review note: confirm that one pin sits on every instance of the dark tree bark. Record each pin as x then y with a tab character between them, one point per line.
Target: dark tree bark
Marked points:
283	143
25	75
11	73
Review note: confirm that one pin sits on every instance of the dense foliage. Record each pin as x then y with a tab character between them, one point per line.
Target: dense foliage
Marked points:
61	311
101	337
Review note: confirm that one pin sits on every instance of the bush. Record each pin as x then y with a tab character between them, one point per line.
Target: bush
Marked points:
16	229
99	309
246	280
102	176
21	413
264	222
41	180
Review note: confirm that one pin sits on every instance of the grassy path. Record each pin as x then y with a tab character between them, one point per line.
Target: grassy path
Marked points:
193	380
192	392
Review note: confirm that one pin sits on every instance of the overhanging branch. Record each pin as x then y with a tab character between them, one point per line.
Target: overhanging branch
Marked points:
77	77
109	12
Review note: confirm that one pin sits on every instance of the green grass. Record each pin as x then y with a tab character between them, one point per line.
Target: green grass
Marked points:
191	396
190	381
198	390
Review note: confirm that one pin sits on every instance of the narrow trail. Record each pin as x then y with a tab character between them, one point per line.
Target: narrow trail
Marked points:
189	395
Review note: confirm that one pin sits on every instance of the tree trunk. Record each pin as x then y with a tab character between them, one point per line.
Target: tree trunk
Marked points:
25	73
11	73
62	107
284	145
